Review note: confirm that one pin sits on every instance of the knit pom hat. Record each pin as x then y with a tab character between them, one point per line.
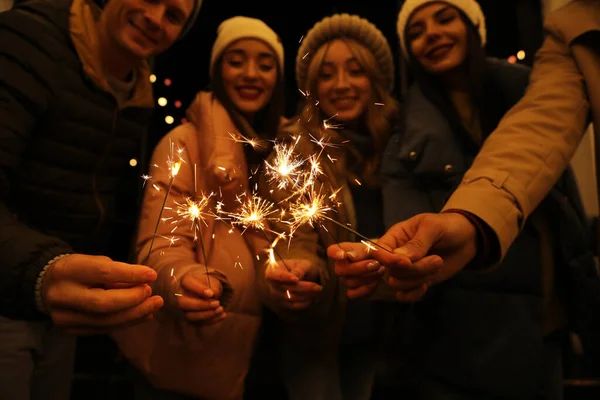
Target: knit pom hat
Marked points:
192	19
469	7
350	27
237	28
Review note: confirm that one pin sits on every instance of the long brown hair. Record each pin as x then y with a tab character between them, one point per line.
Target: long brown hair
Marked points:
377	120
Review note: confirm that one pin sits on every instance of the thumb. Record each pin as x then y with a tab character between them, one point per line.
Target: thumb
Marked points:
300	268
422	241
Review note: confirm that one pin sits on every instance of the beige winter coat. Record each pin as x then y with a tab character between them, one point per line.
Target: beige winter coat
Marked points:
208	362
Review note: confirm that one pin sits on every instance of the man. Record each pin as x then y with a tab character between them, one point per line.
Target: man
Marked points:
75	98
516	168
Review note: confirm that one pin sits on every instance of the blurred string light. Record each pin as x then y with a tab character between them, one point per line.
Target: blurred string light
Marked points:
162	101
521	54
512	59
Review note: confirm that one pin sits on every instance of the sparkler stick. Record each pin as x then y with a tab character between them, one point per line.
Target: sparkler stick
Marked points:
201	233
363	237
272	261
277	253
173	171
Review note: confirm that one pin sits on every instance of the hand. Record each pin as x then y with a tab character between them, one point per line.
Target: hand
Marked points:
449	237
295	288
93	294
356	268
199	302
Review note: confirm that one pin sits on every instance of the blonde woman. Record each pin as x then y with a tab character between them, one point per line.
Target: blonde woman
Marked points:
330	350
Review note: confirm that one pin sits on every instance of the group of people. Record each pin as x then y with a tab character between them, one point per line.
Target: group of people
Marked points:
460	185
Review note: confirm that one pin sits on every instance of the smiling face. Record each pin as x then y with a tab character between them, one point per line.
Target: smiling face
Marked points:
145	28
343	86
437	37
249	73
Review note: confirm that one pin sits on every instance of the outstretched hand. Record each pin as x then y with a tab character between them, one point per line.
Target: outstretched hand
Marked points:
93	294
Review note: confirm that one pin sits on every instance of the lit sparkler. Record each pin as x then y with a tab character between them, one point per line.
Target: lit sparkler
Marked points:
173	165
310	206
254	213
286	166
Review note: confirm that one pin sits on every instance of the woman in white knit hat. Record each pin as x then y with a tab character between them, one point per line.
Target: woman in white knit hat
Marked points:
200	344
478	335
331	349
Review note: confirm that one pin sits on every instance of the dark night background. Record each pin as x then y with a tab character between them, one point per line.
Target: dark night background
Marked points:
512	25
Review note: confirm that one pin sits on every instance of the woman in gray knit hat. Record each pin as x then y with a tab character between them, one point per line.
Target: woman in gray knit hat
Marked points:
345	69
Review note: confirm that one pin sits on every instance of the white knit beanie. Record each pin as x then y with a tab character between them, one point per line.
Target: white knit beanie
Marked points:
350	27
469	7
237	28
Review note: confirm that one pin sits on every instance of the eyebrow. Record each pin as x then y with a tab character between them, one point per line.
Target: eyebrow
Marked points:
329	63
243	53
436	14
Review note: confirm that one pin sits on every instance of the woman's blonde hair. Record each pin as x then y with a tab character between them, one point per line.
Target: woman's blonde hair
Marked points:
377	120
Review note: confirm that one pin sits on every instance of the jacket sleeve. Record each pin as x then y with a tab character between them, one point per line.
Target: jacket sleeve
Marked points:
524	157
24	96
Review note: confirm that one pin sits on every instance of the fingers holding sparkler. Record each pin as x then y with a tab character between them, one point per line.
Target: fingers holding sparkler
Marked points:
357	270
199	302
295	288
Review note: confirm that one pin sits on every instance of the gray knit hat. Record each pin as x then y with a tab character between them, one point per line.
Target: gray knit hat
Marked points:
345	26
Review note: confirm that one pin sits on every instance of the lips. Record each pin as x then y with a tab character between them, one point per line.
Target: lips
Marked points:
439	51
343	103
249	92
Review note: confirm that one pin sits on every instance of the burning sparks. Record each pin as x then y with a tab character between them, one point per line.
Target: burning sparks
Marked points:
253	213
328	125
370	247
256	144
285	168
308	210
194	210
